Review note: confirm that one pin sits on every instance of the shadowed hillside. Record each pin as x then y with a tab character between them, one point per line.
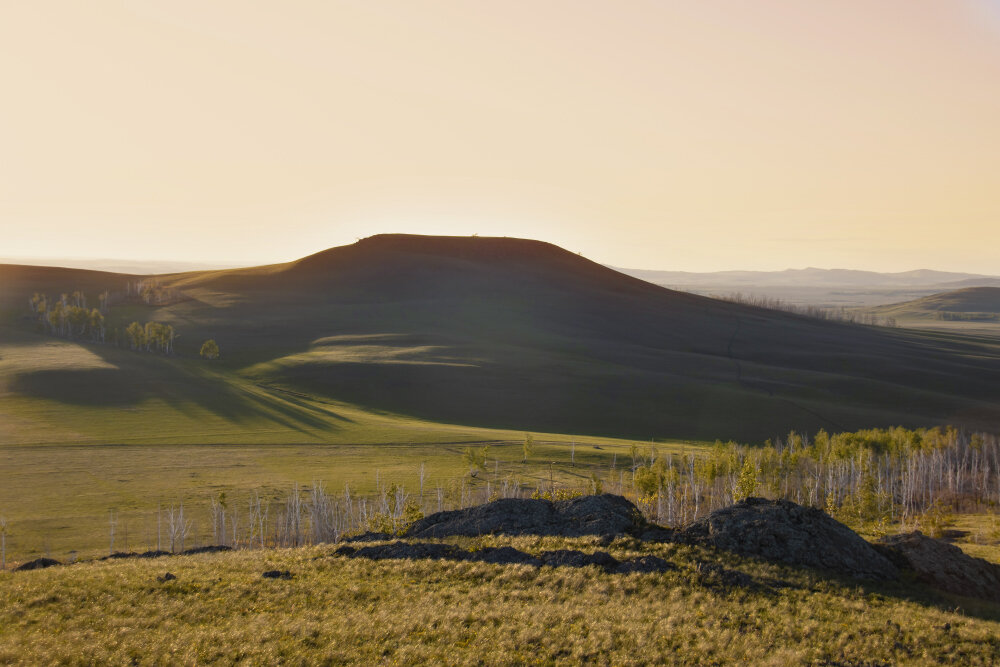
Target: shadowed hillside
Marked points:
522	334
18	283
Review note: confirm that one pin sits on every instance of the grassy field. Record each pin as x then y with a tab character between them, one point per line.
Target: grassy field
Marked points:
336	610
394	352
181	430
57	498
95	429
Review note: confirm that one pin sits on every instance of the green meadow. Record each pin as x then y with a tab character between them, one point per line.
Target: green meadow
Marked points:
183	431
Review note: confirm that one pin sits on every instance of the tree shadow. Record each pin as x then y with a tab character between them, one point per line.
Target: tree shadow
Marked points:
132	378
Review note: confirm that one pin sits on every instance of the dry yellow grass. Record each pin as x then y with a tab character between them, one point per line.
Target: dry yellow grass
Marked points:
337	610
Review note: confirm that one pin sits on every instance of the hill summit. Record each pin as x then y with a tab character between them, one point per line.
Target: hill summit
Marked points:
516	333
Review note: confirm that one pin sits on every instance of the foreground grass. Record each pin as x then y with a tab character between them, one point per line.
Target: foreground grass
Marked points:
336	610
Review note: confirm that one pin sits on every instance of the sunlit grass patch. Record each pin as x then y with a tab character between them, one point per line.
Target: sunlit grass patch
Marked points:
337	609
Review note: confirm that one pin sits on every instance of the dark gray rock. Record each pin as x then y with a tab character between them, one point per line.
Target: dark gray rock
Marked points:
784	532
277	574
657	534
505	556
644	565
587	515
404	551
574	558
167	577
943	565
37	564
153	554
150	554
205	550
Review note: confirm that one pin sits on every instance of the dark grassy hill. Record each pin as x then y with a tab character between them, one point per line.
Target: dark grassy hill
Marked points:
19	282
522	334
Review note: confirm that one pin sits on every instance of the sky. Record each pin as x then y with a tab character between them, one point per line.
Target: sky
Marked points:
668	134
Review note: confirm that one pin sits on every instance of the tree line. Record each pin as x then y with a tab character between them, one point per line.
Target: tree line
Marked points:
953	316
839	314
152	293
875	480
868	479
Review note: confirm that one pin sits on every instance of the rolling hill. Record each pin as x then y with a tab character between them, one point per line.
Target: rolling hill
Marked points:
520	334
971	303
827	288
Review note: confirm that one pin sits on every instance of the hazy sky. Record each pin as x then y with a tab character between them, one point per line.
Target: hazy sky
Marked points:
694	134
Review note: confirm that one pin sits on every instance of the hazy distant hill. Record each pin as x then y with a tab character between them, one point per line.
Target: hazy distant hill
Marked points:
138	267
811	277
969	304
827	288
523	334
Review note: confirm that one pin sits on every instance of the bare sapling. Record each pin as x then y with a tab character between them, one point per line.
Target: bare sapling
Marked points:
3	543
112	522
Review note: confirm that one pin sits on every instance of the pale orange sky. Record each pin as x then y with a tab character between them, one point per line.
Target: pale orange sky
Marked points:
695	135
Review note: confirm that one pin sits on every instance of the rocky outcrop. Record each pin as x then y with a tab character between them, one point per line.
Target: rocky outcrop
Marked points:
943	565
507	556
37	564
588	515
784	532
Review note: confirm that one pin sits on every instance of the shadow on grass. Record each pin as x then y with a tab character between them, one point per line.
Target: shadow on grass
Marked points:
136	378
770	577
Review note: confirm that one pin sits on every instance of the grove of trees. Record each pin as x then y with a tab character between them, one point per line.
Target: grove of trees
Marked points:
867	479
151	337
69	317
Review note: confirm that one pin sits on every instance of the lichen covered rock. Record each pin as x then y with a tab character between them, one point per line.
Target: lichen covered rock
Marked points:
784	532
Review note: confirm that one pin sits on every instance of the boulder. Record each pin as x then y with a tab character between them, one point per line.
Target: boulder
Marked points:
943	565
784	532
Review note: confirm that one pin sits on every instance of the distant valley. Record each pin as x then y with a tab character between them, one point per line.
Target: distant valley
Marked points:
832	288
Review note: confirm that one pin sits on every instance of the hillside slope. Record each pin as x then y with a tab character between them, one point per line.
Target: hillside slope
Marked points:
522	334
971	302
